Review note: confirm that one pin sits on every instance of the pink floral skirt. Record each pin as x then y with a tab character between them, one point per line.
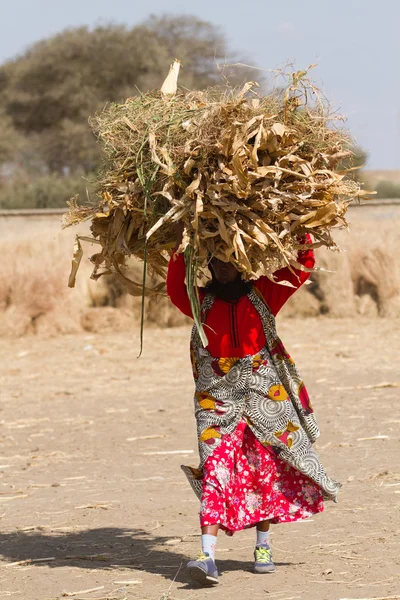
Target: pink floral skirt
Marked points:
245	483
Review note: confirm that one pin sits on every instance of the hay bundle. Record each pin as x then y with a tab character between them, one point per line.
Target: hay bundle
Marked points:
248	175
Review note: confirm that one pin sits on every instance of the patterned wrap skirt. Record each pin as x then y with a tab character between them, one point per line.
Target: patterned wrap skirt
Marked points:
255	429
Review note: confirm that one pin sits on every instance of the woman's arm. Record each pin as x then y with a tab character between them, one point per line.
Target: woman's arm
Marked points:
176	287
276	294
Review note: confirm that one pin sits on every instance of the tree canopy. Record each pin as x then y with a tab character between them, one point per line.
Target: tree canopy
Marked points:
47	94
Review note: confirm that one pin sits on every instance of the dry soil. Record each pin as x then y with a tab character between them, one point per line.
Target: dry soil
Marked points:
92	495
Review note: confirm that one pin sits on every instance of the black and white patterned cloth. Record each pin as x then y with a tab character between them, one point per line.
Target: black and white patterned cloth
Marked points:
265	389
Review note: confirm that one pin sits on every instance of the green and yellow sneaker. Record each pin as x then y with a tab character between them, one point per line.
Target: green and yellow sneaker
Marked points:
263	560
203	570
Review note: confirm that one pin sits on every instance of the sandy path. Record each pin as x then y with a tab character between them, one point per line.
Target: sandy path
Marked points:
81	485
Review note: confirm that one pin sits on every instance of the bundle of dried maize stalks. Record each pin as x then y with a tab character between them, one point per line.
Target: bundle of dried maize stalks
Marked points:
248	175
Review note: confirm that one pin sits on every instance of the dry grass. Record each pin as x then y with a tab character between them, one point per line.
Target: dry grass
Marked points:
366	277
247	175
372	178
35	299
33	294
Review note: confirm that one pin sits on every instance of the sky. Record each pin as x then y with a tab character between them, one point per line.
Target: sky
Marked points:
356	44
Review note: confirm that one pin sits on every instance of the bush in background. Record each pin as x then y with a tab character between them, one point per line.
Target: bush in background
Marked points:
388	189
47	191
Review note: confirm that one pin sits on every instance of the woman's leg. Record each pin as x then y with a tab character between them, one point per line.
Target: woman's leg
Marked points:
263	533
263	526
209	539
203	570
210	530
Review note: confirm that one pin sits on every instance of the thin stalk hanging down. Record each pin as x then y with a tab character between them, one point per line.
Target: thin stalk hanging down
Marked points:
143	298
193	292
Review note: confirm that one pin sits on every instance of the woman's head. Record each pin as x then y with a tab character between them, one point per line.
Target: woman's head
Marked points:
224	272
227	282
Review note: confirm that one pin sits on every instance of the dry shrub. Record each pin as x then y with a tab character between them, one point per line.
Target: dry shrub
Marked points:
35	298
301	304
109	291
366	306
108	319
33	292
333	286
376	274
162	313
366	276
374	248
330	292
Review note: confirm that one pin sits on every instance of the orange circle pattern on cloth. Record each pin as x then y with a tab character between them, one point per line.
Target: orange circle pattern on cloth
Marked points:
278	393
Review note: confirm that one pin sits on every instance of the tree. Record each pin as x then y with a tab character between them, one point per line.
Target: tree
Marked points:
48	93
199	45
10	139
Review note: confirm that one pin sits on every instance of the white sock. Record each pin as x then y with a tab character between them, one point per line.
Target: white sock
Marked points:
208	543
262	538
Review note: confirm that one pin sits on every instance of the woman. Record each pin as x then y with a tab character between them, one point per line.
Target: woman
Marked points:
255	422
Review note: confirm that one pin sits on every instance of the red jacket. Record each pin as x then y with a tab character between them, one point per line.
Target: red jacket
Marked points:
234	329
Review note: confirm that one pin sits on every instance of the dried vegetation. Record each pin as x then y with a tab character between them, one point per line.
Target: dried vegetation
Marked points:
34	297
248	175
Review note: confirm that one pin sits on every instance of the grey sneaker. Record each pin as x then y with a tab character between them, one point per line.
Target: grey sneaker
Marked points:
203	570
263	560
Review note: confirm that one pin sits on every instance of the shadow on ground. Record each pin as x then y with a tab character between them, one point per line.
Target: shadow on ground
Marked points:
107	548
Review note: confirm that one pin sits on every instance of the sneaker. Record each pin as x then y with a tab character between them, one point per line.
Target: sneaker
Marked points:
263	560
203	570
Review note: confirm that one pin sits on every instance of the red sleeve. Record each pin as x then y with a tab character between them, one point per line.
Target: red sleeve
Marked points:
275	294
176	286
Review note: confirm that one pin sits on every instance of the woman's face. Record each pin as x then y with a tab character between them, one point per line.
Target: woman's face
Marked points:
224	272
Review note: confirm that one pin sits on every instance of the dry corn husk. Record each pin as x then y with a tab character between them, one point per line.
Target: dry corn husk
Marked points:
248	175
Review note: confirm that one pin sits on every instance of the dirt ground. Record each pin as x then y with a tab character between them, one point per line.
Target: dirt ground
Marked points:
92	496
